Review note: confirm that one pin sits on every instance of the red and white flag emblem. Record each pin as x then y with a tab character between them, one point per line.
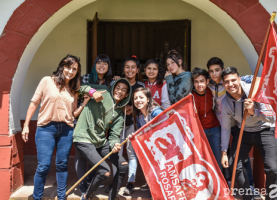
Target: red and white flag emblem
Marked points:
176	158
267	91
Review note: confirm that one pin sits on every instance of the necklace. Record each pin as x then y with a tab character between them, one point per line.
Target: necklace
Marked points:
151	84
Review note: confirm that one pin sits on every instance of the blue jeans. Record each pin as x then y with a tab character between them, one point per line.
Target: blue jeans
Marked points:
132	158
54	134
214	137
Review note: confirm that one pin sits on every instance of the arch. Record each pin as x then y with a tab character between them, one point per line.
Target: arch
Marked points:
33	20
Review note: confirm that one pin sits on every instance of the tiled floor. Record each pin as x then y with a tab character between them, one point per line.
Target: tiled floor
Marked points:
25	192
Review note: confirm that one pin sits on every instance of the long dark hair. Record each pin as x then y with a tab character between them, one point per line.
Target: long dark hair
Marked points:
136	60
175	56
93	77
161	71
152	102
74	84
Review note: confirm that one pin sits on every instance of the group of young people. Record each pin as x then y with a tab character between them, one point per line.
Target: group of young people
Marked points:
97	112
221	98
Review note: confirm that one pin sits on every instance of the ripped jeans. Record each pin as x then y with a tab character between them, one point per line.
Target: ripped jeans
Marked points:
93	155
132	158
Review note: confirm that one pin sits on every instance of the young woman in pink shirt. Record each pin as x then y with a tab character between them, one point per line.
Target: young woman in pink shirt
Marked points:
57	95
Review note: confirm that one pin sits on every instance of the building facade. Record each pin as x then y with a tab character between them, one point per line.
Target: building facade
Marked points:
36	34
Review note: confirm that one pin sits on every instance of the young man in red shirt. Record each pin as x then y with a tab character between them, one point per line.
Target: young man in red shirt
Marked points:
203	98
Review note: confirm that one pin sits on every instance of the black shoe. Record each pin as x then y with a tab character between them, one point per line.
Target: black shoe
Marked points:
129	188
145	187
108	189
83	187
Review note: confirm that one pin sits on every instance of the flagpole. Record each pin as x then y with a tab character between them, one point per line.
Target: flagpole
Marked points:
249	97
77	183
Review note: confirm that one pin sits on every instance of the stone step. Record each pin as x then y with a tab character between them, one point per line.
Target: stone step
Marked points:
50	191
25	193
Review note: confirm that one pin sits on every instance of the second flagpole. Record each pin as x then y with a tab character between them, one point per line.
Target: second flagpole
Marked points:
249	97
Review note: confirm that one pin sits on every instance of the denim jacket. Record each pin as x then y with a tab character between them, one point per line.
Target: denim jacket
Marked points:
141	121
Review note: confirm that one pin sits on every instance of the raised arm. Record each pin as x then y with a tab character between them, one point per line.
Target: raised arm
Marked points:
87	89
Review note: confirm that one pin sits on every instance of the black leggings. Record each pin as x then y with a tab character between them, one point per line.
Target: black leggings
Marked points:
93	155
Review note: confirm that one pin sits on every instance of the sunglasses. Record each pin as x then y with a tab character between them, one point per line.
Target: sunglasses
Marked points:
71	56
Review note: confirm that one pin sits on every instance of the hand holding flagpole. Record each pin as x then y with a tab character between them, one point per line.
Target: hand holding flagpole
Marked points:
103	159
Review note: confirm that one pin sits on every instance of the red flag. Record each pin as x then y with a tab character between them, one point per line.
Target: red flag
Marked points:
176	158
267	91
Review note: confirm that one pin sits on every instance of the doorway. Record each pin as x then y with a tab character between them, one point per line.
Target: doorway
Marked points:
146	40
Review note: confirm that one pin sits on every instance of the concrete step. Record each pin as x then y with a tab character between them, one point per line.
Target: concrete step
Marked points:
25	193
50	191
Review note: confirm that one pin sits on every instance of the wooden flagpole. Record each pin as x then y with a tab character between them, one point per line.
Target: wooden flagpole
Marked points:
249	97
77	183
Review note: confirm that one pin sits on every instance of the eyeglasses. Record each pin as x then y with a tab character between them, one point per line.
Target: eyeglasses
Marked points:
71	56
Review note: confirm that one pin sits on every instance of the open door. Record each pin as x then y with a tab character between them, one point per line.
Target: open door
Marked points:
92	42
120	40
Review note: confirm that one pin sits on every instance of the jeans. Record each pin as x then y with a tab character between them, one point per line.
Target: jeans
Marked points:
248	171
214	137
54	134
266	142
93	155
132	158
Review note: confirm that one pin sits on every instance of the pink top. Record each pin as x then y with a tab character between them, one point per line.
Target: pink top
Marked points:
55	105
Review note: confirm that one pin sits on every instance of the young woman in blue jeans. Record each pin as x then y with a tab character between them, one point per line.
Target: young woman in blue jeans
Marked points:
145	109
57	95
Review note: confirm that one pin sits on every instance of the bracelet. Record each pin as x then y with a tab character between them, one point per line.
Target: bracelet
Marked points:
91	91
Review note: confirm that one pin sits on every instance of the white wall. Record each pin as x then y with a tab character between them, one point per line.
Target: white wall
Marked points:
208	37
